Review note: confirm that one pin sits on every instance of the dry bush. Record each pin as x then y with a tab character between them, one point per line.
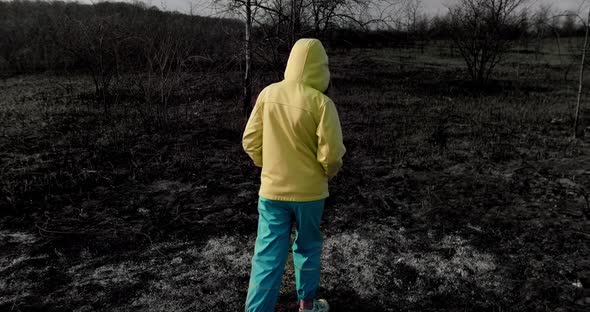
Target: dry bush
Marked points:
480	30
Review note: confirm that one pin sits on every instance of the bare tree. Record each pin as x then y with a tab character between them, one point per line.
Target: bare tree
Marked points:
247	99
94	44
292	19
165	71
541	27
568	27
413	10
479	30
576	132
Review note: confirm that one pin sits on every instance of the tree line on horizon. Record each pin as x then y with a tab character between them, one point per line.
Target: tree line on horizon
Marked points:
68	36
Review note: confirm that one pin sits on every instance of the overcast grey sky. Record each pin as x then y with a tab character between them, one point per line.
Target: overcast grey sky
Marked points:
430	6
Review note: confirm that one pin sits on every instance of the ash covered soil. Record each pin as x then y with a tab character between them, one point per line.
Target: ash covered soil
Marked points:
451	198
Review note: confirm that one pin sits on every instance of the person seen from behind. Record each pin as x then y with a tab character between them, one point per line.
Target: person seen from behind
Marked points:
294	134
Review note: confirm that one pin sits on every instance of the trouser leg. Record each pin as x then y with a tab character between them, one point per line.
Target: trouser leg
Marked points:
270	254
307	248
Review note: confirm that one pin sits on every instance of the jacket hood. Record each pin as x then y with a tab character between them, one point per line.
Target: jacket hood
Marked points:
308	63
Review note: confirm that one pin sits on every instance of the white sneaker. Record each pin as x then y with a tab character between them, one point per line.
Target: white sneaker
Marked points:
320	305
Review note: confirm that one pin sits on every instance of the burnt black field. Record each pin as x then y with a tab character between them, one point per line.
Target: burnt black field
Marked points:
452	198
124	187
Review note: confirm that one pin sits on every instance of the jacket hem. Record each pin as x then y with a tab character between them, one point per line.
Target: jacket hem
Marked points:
293	198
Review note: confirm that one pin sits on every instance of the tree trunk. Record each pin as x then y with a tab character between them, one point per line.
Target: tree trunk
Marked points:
577	116
247	100
292	23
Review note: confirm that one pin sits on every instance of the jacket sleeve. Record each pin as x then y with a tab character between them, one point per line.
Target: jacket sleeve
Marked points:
330	146
252	138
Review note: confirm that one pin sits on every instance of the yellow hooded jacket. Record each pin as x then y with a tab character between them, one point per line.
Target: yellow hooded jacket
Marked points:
294	132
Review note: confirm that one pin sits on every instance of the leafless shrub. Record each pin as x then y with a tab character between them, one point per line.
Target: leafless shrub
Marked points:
480	30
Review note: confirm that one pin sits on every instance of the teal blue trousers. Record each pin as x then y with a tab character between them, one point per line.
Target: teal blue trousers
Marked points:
272	248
